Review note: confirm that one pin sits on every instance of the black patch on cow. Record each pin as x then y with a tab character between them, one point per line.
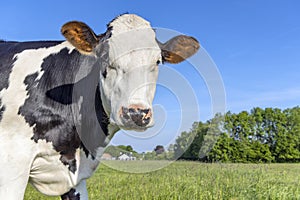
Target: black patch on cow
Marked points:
2	109
7	52
71	195
30	80
65	110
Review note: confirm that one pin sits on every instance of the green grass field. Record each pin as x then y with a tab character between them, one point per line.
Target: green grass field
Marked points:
192	180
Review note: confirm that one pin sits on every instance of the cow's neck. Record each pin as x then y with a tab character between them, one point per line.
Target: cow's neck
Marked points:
108	128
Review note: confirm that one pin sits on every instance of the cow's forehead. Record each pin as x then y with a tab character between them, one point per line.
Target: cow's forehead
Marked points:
127	22
132	35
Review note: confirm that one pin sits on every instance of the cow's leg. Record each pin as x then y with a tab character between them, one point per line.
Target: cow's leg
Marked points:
15	163
13	178
77	193
13	189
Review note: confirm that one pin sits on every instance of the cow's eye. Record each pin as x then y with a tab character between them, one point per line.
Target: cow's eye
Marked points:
158	62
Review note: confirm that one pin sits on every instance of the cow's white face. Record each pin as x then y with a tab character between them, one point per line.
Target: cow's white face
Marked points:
128	82
130	55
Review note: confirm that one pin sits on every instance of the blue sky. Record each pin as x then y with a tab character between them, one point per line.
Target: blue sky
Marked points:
254	44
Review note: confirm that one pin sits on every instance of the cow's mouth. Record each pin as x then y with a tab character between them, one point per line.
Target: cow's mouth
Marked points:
134	117
125	123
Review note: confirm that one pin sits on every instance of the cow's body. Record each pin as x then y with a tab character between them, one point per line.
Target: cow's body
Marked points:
57	115
30	141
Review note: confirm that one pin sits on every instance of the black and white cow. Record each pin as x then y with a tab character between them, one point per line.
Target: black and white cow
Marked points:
61	101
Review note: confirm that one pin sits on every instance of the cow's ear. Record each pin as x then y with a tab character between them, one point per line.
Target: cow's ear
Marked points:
179	48
80	35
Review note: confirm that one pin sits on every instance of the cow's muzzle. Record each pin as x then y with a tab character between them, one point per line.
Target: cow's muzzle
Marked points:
136	116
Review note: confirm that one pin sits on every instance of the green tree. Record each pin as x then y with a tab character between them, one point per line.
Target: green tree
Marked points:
183	142
286	146
222	150
198	133
113	150
170	154
214	128
150	155
261	135
126	148
159	149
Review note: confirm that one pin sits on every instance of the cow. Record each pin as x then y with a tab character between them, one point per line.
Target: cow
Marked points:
62	101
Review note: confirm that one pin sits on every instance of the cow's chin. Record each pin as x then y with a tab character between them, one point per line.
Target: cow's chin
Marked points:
134	128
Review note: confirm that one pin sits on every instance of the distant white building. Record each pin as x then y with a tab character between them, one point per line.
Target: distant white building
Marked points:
126	157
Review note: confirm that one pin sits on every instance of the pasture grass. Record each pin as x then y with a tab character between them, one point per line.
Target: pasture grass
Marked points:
191	180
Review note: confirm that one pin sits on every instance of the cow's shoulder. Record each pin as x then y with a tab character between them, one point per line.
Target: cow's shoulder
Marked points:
67	94
8	52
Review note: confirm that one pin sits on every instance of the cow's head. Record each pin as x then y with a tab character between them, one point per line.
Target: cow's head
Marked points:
129	56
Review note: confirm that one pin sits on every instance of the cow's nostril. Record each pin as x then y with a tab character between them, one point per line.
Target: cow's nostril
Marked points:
146	120
132	110
146	111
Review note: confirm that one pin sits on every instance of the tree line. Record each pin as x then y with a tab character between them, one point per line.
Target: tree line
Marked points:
261	135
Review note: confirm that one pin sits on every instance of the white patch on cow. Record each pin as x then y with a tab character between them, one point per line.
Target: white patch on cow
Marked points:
51	177
48	174
132	72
